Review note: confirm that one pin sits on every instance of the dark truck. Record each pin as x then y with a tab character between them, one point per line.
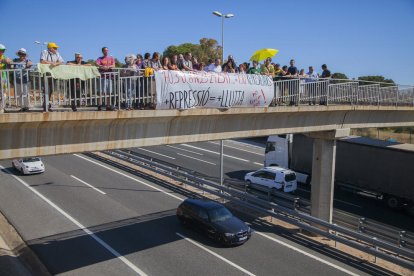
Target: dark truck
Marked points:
368	166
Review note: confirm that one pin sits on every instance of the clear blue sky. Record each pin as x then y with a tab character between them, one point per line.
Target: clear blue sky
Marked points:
355	37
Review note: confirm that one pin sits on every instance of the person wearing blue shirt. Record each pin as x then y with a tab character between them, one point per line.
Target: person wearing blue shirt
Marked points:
292	70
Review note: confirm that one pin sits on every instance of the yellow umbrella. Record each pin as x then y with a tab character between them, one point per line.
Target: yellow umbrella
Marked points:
263	54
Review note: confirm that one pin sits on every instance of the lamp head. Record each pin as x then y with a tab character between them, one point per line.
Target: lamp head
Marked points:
216	13
229	15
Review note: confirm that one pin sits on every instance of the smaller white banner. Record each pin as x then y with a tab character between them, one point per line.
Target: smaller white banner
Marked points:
184	90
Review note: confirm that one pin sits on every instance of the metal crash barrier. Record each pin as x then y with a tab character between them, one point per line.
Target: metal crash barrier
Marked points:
364	242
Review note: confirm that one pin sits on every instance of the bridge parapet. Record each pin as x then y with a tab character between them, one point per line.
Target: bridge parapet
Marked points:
23	88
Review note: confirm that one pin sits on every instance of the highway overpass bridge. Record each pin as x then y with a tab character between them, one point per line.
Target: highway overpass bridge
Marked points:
50	133
342	105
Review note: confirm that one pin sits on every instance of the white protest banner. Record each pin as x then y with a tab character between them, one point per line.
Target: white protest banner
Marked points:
184	90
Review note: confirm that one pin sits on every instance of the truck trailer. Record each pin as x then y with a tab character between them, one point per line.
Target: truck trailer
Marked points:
382	169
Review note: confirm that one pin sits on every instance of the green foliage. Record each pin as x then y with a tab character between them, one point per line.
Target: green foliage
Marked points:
91	61
404	130
381	79
338	77
207	49
118	64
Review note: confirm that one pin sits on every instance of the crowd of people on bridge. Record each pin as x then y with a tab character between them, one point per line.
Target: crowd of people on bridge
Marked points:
145	65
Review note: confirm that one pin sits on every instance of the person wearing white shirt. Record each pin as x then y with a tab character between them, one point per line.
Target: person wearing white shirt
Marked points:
311	91
312	75
214	67
52	57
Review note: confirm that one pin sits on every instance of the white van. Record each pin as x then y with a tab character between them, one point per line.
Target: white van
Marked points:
273	177
278	152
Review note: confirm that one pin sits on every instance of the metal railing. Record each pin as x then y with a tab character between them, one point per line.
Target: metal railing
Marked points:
126	88
355	239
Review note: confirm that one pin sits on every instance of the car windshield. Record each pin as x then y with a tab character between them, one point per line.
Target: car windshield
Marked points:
219	214
31	159
290	177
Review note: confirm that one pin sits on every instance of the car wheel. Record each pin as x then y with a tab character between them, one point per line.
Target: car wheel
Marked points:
394	203
410	209
183	221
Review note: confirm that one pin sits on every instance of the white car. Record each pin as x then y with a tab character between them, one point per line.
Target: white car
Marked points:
29	165
273	177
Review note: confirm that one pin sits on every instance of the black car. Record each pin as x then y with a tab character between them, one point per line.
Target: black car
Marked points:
215	220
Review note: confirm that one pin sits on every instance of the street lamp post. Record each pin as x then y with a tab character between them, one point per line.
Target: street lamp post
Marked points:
219	14
41	45
229	15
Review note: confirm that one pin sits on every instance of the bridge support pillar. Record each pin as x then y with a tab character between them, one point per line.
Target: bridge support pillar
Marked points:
323	172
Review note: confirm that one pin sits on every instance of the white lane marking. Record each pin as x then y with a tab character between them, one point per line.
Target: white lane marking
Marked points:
241	159
262	234
344	202
89	185
153	152
216	143
257	163
196	159
215	254
130	177
306	253
185	150
247	144
81	226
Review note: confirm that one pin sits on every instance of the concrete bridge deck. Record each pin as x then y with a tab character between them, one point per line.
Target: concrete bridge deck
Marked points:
50	133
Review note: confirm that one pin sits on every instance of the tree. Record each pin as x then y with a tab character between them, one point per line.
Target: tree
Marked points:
207	49
376	79
118	64
91	62
338	77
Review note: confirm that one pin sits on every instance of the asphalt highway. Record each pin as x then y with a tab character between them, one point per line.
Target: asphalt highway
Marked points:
84	217
241	157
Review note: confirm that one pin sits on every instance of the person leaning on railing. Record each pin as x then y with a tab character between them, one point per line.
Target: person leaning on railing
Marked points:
311	91
187	65
326	74
50	56
75	90
254	69
105	65
130	84
4	62
165	64
267	68
21	88
173	65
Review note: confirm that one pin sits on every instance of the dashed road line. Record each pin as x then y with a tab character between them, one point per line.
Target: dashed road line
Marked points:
185	150
89	185
215	254
153	152
196	159
81	226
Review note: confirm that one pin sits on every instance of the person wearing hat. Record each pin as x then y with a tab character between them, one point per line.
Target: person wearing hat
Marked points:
51	56
76	85
4	61
22	77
